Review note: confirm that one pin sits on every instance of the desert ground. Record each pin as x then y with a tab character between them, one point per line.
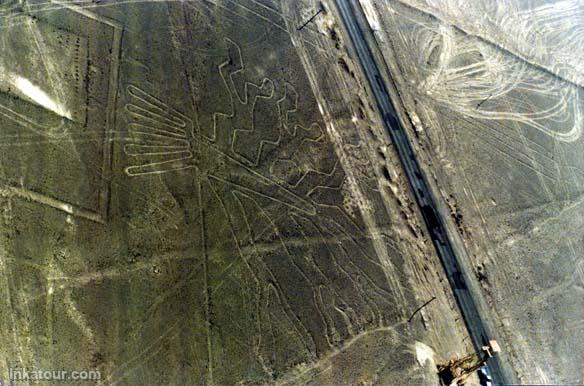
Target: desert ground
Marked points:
200	192
493	95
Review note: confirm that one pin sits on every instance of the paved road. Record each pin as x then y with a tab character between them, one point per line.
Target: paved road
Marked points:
479	328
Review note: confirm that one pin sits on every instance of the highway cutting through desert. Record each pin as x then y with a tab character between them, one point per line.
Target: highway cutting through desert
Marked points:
479	327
